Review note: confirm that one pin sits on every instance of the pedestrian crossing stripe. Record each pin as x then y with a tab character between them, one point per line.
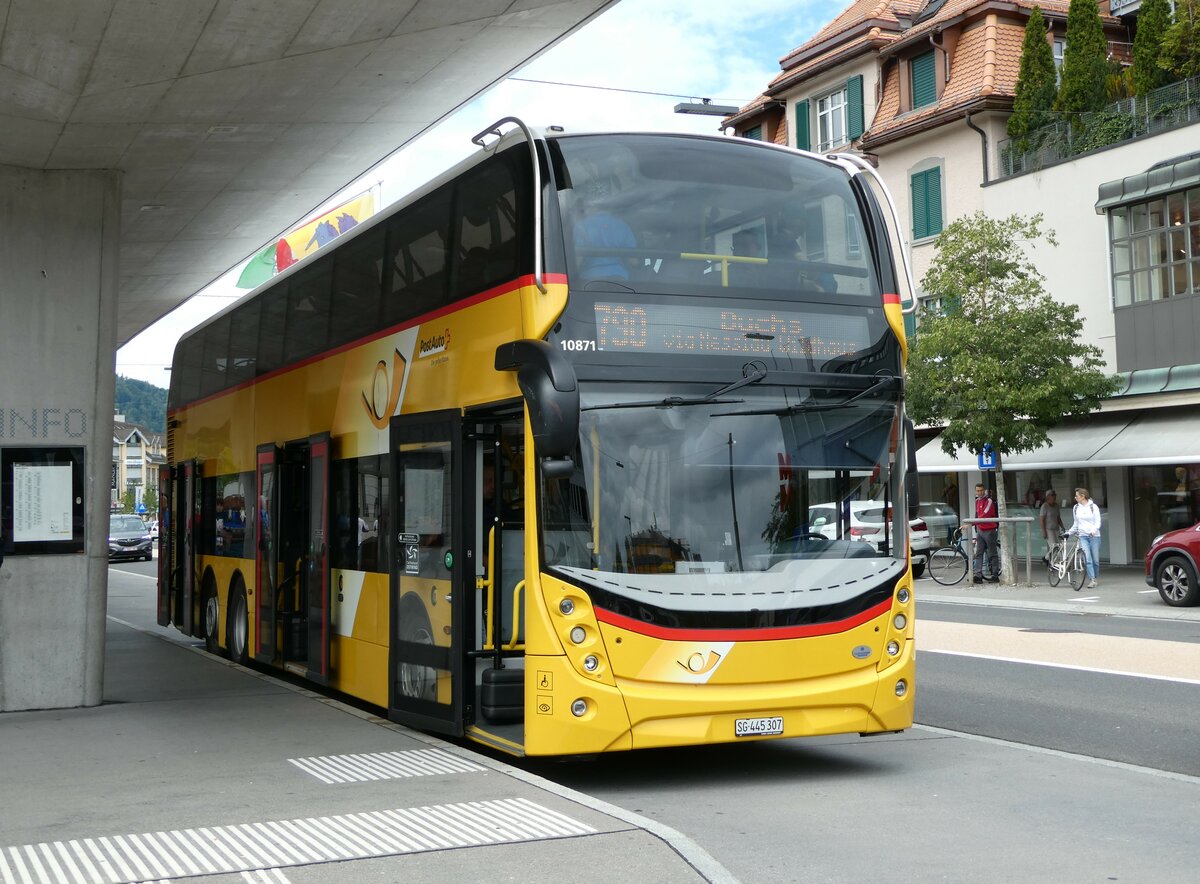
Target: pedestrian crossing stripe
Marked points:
385	765
123	859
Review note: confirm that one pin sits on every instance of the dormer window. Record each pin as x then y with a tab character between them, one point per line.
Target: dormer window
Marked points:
831	120
923	79
839	117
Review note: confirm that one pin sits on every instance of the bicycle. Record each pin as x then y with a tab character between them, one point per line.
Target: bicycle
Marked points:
949	564
1066	560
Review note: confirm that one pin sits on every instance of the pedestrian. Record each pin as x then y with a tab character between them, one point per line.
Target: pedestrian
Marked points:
1050	517
987	537
1086	517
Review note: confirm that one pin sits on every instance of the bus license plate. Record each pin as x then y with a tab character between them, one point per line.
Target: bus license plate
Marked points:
757	727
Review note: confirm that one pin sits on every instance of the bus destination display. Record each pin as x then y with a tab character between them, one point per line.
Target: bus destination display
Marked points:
740	331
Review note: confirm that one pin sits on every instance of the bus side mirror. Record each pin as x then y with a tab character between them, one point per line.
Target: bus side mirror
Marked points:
547	381
912	493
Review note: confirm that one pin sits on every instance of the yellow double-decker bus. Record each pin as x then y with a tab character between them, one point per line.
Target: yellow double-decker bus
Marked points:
533	457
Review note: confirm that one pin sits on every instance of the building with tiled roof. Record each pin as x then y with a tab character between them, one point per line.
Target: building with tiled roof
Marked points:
924	89
138	452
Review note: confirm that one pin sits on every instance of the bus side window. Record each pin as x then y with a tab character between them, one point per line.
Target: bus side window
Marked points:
418	257
357	287
308	311
486	227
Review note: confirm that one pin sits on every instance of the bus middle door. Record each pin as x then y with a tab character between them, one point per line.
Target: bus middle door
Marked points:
426	660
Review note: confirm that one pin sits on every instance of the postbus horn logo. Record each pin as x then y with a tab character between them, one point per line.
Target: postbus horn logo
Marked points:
384	395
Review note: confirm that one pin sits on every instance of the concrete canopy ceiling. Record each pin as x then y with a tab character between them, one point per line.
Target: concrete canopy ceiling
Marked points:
230	120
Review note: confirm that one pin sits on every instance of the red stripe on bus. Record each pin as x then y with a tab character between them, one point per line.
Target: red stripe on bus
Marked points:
495	292
890	298
767	633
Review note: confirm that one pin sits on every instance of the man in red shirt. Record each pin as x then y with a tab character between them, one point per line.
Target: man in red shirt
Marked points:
987	537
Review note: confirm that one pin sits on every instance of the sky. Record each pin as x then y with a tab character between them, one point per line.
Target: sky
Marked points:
683	50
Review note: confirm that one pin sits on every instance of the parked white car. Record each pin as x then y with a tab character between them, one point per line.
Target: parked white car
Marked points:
867	525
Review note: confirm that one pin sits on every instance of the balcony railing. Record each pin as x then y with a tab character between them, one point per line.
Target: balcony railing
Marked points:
1166	108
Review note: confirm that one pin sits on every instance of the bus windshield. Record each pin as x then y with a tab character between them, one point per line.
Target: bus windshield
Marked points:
742	503
647	213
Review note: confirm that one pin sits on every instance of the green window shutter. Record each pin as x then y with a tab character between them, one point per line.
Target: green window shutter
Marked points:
934	189
924	83
754	134
926	203
854	107
802	138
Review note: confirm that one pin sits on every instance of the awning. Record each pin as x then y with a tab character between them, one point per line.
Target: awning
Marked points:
1165	177
1103	440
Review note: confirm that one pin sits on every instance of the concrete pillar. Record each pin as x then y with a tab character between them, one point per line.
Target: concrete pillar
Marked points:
58	298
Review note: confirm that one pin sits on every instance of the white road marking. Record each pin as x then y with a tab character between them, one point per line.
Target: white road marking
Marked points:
384	765
258	850
1103	654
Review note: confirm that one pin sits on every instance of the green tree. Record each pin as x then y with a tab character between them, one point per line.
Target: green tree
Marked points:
1085	69
1154	17
1037	85
150	499
1181	43
129	500
142	403
1002	362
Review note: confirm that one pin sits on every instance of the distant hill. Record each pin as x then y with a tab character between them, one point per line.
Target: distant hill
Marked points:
142	403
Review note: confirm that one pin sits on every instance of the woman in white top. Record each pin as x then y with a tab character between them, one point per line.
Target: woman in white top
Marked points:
1087	525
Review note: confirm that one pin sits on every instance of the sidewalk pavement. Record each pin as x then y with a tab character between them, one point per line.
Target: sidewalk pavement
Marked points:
196	767
1121	591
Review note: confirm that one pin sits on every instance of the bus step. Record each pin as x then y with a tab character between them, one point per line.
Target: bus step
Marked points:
502	695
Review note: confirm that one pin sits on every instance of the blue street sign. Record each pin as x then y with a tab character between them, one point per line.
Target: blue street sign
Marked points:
141	509
987	458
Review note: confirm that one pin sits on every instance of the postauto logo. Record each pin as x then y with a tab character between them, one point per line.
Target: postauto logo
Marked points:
383	397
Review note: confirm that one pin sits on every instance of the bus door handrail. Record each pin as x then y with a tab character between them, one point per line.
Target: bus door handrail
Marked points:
494	129
861	164
515	642
488	585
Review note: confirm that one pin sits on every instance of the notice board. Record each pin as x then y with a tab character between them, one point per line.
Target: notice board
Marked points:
42	500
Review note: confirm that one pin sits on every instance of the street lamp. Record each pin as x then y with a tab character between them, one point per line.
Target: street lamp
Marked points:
705	108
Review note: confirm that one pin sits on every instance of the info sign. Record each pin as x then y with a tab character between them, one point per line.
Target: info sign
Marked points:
42	500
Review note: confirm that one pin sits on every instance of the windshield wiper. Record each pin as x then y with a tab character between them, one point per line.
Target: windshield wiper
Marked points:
885	384
756	372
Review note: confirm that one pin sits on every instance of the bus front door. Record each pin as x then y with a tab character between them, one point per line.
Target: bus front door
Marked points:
427	560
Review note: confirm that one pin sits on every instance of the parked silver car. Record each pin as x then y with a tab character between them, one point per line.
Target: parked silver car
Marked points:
128	538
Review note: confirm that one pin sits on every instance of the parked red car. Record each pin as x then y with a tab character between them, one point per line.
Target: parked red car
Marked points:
1171	566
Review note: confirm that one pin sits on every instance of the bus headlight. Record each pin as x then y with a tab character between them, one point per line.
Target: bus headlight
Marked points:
579	708
590	663
893	647
900	621
903	596
567	607
901	688
578	634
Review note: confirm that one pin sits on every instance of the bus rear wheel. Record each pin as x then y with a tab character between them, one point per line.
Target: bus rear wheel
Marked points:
237	628
212	622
